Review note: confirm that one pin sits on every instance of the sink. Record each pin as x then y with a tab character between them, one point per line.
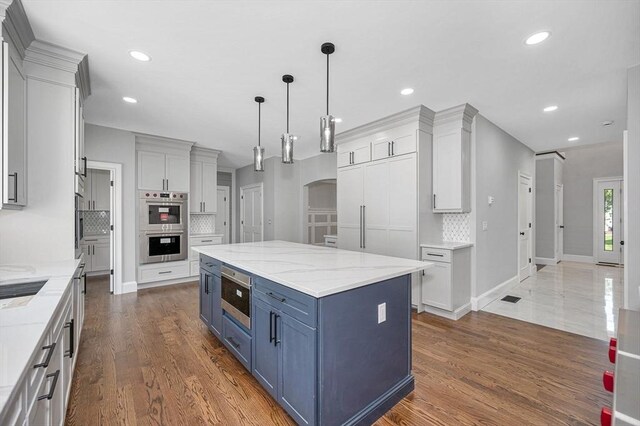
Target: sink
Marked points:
10	291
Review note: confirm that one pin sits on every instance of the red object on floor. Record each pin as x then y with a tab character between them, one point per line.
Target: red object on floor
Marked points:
607	380
613	342
612	354
605	416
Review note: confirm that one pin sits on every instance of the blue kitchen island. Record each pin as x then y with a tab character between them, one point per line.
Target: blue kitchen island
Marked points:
326	332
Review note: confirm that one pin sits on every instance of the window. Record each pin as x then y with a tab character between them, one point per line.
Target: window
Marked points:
608	219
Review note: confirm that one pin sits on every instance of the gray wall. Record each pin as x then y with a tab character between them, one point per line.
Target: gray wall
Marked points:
545	205
632	184
499	157
581	166
118	146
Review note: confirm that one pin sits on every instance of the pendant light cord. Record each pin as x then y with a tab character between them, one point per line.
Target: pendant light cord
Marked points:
259	123
287	108
327	84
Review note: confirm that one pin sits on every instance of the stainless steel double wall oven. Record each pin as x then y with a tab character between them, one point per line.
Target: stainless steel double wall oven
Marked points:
163	226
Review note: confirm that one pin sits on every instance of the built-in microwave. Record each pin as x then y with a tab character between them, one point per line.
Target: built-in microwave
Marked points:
163	246
163	211
236	295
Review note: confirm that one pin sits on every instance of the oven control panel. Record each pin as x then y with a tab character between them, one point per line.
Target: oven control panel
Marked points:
177	196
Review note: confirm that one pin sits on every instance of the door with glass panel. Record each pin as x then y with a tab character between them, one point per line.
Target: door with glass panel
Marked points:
608	221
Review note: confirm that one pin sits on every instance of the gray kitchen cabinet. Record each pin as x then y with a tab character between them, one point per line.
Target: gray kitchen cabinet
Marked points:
97	190
97	253
162	164
14	146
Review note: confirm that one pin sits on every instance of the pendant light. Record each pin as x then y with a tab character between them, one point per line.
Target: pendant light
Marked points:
287	138
258	151
327	122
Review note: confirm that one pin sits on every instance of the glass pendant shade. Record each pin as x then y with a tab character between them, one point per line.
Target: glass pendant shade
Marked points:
258	159
327	134
287	148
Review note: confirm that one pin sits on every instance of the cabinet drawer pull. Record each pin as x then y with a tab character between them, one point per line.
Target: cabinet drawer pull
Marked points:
164	272
273	296
206	241
435	254
15	187
51	348
233	342
53	386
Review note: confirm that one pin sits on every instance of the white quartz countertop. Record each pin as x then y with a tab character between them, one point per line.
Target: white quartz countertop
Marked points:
22	327
315	270
447	245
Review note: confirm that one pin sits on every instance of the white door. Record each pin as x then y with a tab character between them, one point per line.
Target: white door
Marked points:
524	226
251	213
608	216
559	222
222	216
209	187
349	193
177	173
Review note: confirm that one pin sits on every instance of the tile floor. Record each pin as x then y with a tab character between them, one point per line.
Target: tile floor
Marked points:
576	297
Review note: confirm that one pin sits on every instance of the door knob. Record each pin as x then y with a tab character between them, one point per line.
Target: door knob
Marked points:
522	233
561	226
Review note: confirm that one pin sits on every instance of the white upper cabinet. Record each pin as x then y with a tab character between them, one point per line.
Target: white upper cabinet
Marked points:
354	152
14	147
452	159
163	164
204	181
394	142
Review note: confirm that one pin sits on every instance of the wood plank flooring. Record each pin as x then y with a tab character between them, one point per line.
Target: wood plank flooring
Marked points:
147	359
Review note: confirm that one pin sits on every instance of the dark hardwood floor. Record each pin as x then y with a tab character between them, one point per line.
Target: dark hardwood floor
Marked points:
146	358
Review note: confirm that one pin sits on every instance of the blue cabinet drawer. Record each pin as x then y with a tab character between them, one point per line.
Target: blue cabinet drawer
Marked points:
294	303
237	340
210	265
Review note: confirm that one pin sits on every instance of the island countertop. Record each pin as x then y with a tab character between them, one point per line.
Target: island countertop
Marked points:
314	270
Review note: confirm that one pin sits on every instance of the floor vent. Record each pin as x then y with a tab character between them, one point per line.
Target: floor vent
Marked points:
510	299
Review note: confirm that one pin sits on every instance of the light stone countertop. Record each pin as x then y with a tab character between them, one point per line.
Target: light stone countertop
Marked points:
314	270
22	326
447	245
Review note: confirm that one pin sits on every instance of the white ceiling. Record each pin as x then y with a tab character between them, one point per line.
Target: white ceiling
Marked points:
210	58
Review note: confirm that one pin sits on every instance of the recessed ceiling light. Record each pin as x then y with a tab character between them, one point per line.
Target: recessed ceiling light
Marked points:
338	120
573	139
550	108
537	37
141	56
129	100
406	91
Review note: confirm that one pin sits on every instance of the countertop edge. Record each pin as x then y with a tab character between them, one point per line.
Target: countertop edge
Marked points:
447	246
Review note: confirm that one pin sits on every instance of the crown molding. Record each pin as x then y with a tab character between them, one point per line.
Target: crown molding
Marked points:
54	56
16	25
419	114
146	141
83	79
198	151
461	114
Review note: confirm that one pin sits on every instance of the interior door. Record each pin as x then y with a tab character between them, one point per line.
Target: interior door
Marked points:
608	220
524	226
349	206
559	222
222	216
251	214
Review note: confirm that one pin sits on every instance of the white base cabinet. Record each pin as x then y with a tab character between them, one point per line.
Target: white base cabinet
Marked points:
97	253
447	285
194	256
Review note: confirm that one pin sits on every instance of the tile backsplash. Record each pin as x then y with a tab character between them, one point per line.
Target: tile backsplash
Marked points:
456	227
96	222
202	224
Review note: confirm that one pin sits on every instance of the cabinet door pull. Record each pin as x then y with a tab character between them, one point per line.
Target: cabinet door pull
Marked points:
436	254
279	299
69	351
434	201
84	160
84	279
276	340
360	227
233	342
388	149
364	226
51	348
206	284
15	187
167	184
53	386
393	146
271	338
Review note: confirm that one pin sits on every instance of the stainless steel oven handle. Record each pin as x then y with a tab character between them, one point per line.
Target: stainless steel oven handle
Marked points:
240	283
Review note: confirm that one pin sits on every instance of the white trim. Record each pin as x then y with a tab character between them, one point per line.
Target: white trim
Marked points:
478	303
455	315
116	261
129	287
242	189
154	284
473	225
626	296
545	261
625	418
577	258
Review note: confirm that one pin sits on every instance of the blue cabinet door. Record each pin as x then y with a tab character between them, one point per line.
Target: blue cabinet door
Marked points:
297	378
215	293
205	297
265	352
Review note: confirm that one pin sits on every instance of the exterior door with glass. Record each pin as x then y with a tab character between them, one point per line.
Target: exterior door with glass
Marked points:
608	220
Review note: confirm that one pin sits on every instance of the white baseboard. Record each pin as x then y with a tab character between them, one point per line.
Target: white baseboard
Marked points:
167	282
129	287
487	297
545	261
455	315
577	258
